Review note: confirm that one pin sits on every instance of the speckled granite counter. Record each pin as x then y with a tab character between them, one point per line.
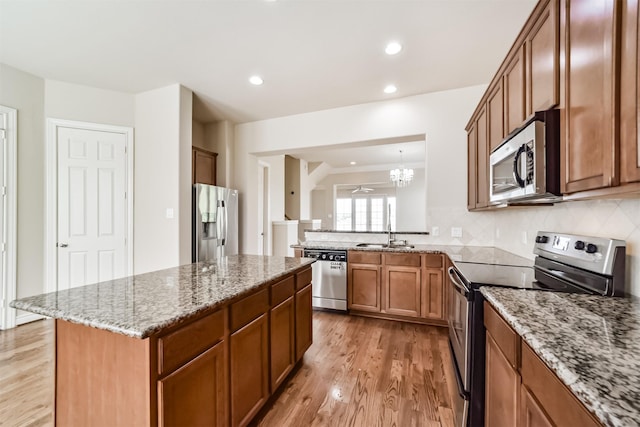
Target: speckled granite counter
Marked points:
470	254
592	343
141	305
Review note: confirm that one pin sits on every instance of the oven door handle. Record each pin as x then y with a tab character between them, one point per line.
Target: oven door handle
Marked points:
458	283
461	391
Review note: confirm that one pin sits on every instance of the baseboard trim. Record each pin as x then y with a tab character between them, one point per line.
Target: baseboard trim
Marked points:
23	318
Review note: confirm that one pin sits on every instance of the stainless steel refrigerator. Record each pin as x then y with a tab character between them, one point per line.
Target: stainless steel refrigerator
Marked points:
215	222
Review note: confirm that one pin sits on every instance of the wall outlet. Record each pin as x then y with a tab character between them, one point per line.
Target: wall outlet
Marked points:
456	231
435	231
169	213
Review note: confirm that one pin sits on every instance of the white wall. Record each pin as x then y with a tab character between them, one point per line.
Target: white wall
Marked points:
157	179
25	92
441	116
197	135
219	139
411	204
305	190
185	175
87	104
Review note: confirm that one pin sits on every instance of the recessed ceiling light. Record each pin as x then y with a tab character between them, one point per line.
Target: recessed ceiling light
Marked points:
393	48
256	80
352	163
390	89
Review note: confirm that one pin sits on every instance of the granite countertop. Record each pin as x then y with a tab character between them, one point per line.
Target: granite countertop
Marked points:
469	254
145	304
591	342
321	230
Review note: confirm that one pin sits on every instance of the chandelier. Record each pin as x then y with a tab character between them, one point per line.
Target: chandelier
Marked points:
401	176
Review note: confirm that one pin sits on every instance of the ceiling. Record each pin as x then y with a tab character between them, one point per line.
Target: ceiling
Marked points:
312	55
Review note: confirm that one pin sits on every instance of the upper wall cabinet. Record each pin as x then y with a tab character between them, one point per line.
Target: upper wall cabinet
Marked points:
630	84
542	61
514	90
588	117
495	116
204	166
478	162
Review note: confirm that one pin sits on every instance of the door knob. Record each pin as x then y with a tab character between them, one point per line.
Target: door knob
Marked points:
62	245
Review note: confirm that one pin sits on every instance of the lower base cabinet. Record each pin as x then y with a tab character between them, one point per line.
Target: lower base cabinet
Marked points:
520	390
283	354
195	394
249	347
304	329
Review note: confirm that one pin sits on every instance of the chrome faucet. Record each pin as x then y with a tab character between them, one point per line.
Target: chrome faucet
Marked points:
389	239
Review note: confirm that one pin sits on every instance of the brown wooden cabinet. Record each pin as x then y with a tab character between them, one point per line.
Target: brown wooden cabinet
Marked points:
630	84
304	330
363	281
542	60
283	328
402	290
502	387
203	166
249	370
514	91
195	394
531	413
589	118
519	388
472	166
405	286
495	116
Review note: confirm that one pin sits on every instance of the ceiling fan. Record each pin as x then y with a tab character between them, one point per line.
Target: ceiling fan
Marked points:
361	189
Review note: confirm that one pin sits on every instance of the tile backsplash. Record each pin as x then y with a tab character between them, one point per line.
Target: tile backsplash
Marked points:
514	229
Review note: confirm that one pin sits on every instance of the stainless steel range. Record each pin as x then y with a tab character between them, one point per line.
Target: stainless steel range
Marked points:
563	263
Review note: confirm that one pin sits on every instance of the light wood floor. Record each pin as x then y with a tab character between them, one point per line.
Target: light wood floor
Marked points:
359	372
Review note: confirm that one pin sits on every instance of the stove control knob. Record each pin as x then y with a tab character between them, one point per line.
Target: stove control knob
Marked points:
323	256
579	245
542	239
591	248
331	257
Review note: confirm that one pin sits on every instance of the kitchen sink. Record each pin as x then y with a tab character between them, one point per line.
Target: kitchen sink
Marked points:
383	246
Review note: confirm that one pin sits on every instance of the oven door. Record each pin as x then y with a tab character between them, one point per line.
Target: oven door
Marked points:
459	297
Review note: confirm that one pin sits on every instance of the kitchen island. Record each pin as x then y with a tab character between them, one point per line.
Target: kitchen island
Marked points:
199	344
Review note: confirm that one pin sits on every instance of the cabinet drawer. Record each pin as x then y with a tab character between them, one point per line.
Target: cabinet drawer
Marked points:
187	342
282	290
244	311
505	337
303	278
408	260
558	402
365	257
433	261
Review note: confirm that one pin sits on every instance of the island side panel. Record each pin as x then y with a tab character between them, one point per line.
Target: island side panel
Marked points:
103	378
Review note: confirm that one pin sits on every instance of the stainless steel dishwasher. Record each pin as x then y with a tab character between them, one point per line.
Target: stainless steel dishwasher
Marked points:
329	278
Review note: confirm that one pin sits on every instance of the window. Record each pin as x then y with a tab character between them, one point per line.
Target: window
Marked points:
365	213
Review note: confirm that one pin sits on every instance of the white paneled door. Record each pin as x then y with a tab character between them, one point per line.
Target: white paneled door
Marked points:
92	206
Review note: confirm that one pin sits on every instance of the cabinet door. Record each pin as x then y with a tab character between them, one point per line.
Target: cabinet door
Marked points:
364	287
629	104
543	61
304	325
495	107
195	394
249	370
472	167
502	388
204	166
282	327
589	122
402	290
482	195
432	295
531	413
514	92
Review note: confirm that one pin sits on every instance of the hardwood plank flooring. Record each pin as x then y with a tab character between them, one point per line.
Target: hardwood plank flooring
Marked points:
27	375
366	372
358	372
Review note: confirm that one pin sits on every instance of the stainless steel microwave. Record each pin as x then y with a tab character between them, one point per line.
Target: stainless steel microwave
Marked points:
525	168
